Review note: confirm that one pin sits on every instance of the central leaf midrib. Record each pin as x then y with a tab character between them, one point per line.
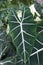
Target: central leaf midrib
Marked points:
23	41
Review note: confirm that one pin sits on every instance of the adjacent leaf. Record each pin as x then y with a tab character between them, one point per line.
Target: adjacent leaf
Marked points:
2	36
22	31
8	61
4	43
37	54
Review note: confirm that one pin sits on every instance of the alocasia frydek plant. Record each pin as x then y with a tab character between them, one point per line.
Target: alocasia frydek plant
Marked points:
21	32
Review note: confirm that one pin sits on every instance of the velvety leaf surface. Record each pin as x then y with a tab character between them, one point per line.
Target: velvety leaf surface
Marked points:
22	31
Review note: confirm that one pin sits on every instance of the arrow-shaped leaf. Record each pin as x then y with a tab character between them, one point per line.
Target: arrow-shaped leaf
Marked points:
22	31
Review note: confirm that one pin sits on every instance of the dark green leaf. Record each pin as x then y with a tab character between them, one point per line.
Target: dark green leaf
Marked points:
22	31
